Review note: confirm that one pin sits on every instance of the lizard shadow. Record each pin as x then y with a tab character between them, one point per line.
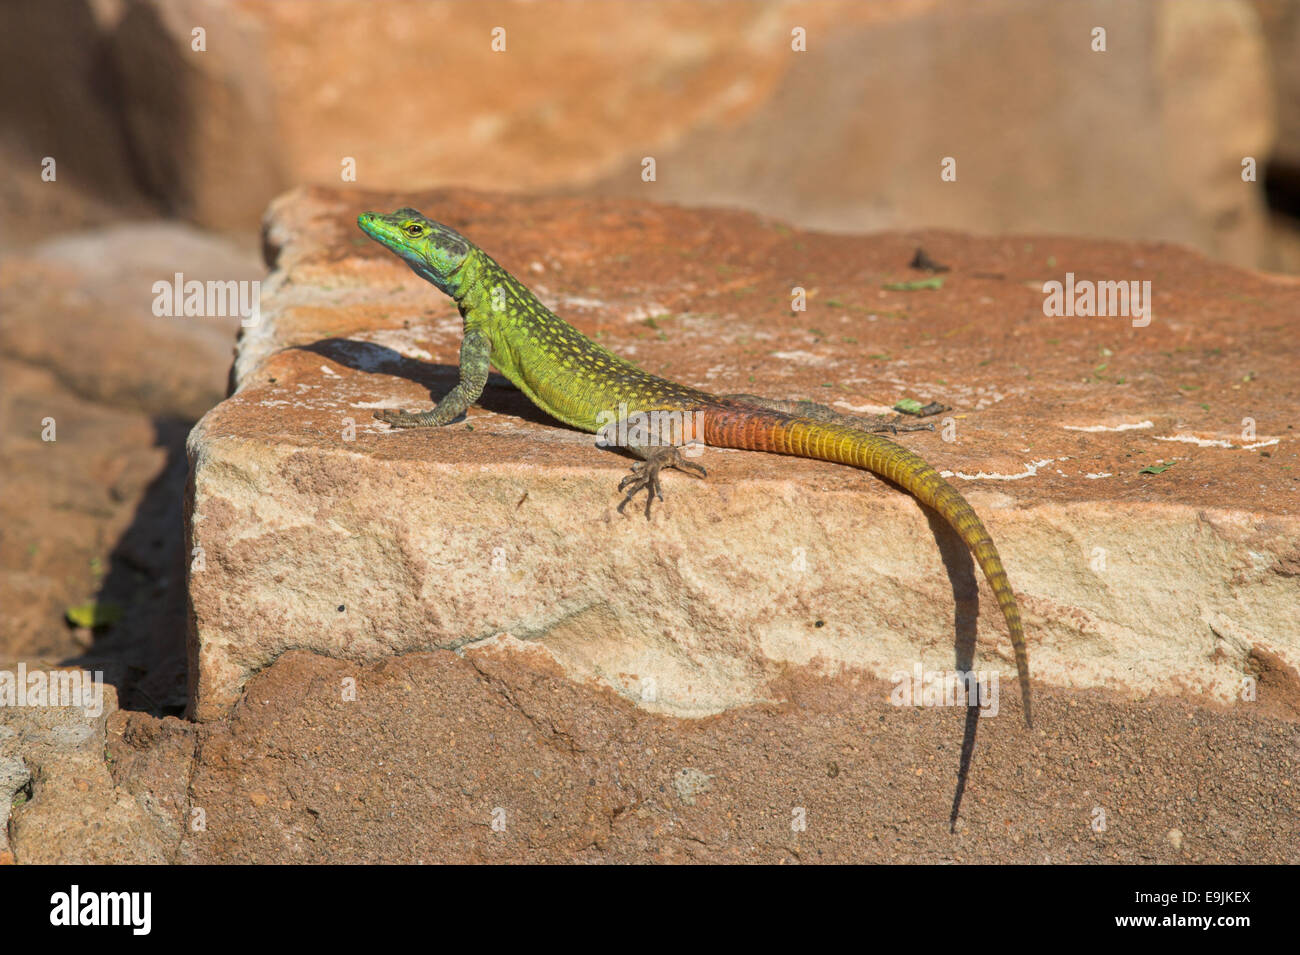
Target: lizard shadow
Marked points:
499	396
960	567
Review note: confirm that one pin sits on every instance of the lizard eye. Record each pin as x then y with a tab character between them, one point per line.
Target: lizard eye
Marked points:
414	229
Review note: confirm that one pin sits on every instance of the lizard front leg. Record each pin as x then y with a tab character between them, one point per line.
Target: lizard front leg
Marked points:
475	355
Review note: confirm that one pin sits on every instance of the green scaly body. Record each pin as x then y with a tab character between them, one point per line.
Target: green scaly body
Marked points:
583	384
561	370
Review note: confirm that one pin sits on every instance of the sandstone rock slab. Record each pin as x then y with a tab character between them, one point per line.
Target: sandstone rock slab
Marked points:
313	527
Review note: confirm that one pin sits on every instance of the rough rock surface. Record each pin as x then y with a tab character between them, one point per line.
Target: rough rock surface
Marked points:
69	804
317	528
495	756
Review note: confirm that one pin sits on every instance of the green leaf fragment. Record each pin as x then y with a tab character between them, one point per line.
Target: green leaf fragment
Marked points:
93	614
935	282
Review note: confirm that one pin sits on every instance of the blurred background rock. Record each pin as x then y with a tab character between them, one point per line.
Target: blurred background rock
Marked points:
1145	140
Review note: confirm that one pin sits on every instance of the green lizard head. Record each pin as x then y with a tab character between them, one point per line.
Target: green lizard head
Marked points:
435	251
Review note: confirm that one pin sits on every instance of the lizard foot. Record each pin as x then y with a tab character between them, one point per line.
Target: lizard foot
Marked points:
405	419
645	476
896	424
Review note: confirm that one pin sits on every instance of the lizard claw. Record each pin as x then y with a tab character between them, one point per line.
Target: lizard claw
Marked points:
645	476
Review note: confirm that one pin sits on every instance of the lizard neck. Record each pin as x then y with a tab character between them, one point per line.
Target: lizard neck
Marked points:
472	283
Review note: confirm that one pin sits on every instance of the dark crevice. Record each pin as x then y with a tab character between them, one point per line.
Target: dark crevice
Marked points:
1282	190
144	653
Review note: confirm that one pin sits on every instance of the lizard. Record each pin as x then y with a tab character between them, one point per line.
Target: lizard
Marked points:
580	382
